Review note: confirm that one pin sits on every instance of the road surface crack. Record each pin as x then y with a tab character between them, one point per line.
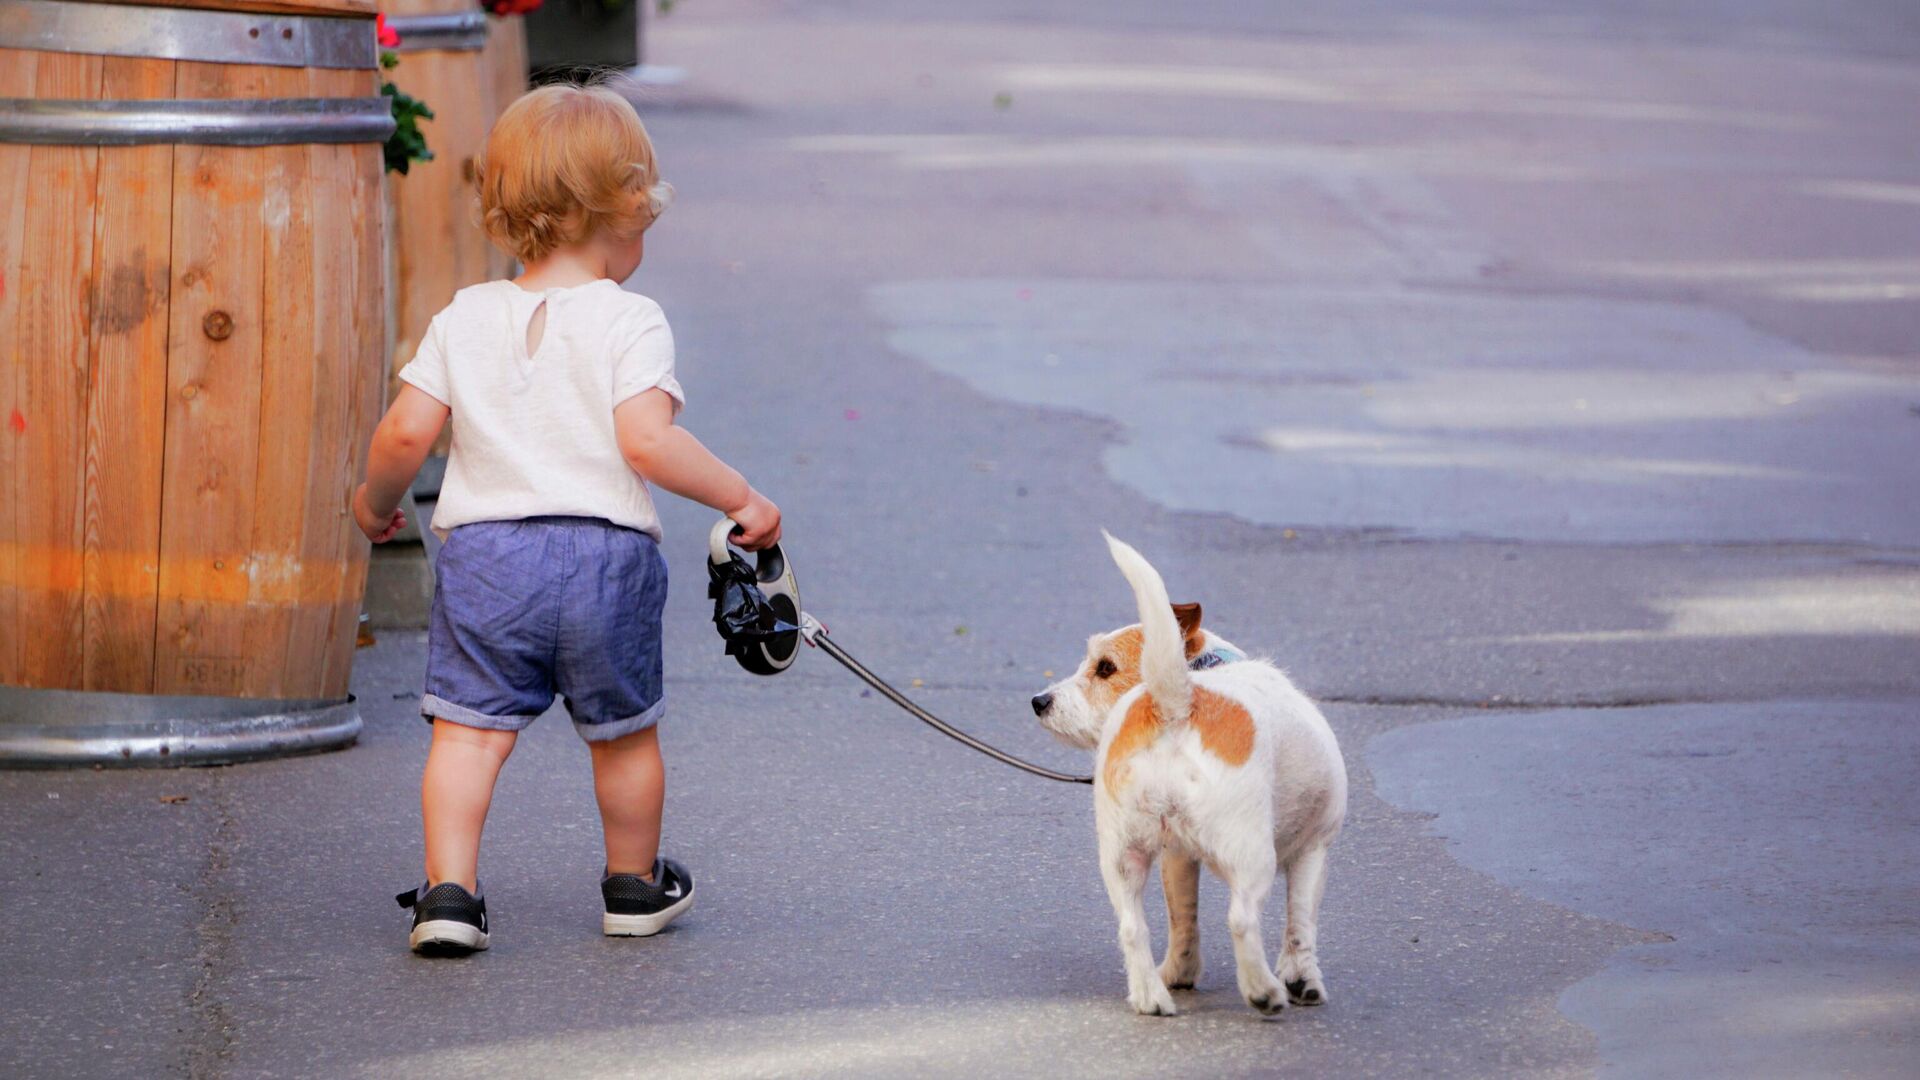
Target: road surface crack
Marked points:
210	1042
1500	701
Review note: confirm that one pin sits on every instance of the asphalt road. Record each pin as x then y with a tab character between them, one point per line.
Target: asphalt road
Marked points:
1538	382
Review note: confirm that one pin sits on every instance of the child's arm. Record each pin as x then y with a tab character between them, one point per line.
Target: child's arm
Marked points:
671	457
400	444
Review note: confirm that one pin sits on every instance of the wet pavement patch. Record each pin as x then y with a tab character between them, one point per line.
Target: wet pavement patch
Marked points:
1442	412
1777	844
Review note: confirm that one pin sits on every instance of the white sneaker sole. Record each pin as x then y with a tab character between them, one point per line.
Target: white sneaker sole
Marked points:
644	925
447	936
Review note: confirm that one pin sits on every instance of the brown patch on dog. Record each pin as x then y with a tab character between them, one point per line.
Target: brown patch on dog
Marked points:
1137	731
1122	647
1188	616
1225	726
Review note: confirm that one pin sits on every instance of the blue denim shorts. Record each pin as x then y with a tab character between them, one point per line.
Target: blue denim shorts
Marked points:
523	610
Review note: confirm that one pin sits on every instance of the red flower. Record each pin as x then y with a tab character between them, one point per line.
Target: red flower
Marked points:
389	37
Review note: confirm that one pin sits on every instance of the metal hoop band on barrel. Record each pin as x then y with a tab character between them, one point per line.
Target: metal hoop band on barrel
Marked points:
464	31
167	33
52	728
221	122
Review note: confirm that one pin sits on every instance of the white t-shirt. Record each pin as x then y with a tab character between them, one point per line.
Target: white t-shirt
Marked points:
533	435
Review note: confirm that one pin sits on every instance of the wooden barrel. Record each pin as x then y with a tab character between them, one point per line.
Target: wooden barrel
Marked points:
191	236
505	59
455	59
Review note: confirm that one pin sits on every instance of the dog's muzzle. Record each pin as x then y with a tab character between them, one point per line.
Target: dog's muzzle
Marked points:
1041	703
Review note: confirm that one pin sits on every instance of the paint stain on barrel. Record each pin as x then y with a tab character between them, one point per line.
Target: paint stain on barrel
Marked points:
130	294
17	422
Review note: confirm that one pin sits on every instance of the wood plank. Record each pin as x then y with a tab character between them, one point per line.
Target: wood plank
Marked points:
368	385
462	130
213	402
394	8
126	409
348	282
438	243
505	58
290	357
52	328
439	246
18	70
284	7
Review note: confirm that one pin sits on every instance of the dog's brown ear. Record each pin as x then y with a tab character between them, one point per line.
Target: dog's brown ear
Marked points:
1188	616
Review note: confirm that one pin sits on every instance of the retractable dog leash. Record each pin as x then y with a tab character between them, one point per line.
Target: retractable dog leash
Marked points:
757	610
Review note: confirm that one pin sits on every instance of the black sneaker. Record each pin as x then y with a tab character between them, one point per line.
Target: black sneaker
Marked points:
637	907
447	920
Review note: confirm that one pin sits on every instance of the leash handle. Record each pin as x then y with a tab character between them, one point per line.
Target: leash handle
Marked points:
816	636
718	540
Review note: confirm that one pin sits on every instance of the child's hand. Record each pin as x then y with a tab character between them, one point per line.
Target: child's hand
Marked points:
759	522
381	529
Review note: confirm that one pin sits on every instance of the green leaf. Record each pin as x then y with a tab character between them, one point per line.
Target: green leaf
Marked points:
408	143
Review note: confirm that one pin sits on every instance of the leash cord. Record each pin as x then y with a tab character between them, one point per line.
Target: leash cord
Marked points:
816	636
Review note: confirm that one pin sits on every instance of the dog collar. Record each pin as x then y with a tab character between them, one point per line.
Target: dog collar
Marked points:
1214	657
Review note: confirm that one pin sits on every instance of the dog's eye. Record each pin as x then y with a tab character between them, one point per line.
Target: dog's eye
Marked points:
1104	669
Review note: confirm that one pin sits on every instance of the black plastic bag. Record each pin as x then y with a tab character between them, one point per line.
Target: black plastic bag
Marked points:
740	610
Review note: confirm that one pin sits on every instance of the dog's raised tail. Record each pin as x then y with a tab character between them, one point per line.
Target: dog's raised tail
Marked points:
1163	653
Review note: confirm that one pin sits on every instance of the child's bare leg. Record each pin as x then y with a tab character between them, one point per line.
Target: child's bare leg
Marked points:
455	792
630	781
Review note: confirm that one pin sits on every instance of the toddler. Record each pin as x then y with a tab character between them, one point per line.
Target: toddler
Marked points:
561	391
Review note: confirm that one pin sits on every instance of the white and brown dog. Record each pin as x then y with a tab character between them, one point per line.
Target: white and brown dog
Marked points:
1203	756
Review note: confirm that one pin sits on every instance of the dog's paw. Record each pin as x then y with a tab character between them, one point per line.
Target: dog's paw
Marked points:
1268	1002
1307	992
1302	975
1181	972
1266	996
1152	1001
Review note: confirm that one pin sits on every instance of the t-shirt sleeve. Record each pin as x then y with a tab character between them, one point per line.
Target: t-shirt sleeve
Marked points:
643	358
428	368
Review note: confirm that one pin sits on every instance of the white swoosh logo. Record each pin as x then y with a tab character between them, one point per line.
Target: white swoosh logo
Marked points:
674	892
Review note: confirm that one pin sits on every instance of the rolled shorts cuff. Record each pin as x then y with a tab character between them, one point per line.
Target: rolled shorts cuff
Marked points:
432	707
614	729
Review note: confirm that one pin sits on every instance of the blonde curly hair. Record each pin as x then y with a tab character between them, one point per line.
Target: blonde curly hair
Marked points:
564	162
